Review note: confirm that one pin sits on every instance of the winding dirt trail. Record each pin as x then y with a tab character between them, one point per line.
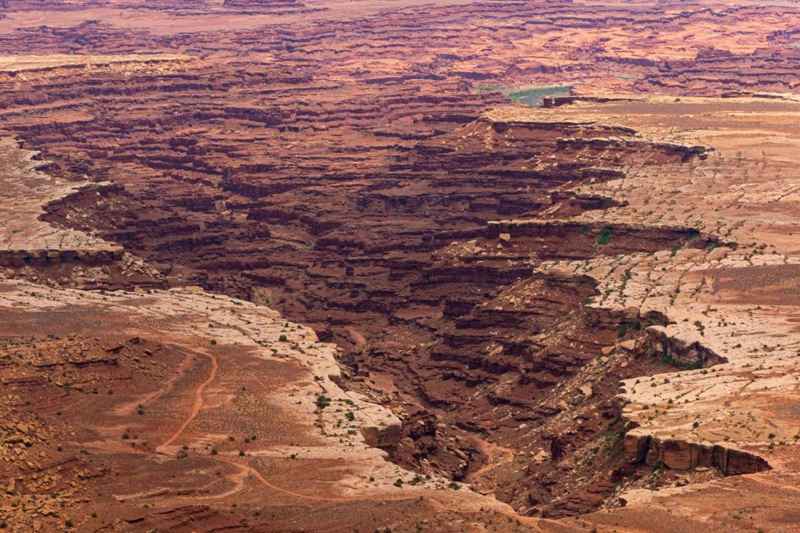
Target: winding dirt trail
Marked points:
198	404
129	408
244	470
250	471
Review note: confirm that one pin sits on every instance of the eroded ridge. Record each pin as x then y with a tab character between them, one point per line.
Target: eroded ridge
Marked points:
436	308
142	409
24	238
37	250
730	303
231	401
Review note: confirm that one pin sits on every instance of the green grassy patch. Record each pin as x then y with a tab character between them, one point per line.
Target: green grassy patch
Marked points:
605	236
531	95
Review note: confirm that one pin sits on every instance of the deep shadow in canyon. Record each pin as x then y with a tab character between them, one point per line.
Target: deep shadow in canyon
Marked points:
438	313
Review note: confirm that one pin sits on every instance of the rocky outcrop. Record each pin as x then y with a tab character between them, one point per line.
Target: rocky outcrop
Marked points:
676	352
50	258
678	454
383	437
684	152
607	239
558	101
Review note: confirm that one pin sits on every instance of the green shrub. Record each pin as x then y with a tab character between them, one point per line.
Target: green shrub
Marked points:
323	401
605	236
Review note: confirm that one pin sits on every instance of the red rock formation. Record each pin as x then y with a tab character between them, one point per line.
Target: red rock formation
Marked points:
681	455
342	169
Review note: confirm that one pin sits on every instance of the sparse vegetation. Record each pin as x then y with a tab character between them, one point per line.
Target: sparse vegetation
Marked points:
322	401
605	236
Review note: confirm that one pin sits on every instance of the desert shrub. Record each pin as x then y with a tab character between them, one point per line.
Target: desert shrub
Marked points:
604	237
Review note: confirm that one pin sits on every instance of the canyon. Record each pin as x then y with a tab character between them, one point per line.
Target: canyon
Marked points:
399	266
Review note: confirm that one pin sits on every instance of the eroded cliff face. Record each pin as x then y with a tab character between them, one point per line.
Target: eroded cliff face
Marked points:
504	281
434	299
130	407
729	338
